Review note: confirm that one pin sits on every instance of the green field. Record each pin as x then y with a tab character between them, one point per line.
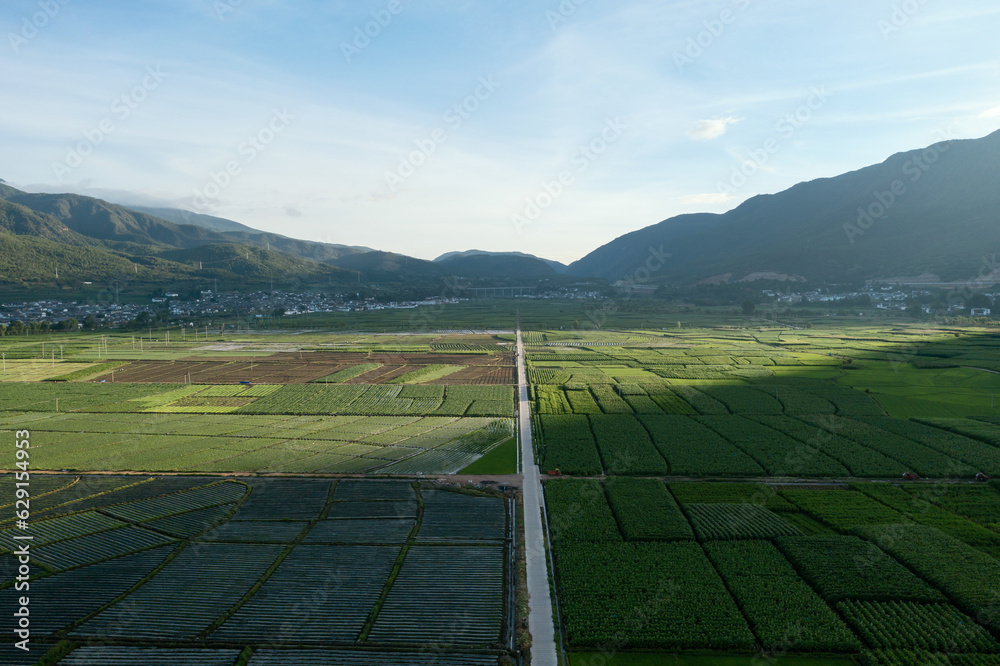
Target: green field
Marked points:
745	501
875	582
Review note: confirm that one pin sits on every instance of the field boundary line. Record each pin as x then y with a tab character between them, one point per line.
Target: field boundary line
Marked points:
411	538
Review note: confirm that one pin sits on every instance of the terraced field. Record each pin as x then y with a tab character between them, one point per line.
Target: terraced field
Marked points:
273	565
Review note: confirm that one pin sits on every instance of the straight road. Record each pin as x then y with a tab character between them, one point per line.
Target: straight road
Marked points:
543	641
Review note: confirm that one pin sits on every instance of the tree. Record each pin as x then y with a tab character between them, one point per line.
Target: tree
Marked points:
89	322
748	307
979	300
70	324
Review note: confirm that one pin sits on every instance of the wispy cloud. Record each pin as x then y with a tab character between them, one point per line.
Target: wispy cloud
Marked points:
991	113
713	128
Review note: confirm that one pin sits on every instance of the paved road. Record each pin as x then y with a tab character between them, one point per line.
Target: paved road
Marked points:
543	644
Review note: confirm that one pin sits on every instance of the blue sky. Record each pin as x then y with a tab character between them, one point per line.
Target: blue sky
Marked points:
548	126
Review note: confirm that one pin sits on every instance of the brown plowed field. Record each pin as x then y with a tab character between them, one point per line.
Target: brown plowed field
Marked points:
288	368
393	359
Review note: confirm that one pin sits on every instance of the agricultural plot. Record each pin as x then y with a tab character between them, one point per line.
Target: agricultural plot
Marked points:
224	443
646	511
421	607
845	567
692	448
646	595
842	509
314	366
284	571
908	625
164	609
861	584
728	522
969	577
917	506
784	612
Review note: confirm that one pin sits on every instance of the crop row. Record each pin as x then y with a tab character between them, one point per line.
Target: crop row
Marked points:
737	521
969	577
784	612
909	625
842	509
164	608
648	596
845	568
917	507
341	584
646	511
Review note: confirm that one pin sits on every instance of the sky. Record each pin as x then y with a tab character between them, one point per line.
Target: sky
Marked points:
542	126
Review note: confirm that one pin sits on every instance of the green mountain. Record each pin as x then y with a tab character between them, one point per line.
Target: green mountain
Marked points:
52	240
106	221
497	265
929	211
241	233
496	259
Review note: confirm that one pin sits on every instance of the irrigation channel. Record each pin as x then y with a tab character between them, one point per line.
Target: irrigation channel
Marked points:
543	645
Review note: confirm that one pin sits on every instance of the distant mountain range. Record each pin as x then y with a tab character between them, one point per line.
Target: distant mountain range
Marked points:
929	211
526	261
933	211
58	238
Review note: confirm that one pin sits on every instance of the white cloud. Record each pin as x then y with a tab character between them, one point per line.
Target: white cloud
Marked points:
712	128
991	113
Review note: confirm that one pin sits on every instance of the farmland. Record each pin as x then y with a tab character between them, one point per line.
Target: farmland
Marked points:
704	566
752	470
739	493
275	407
223	565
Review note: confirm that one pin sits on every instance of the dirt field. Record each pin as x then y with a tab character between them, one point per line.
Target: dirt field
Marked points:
305	367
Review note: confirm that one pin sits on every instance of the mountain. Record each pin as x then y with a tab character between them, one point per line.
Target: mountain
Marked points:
181	216
106	221
241	233
21	220
53	239
497	265
929	211
383	266
450	256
